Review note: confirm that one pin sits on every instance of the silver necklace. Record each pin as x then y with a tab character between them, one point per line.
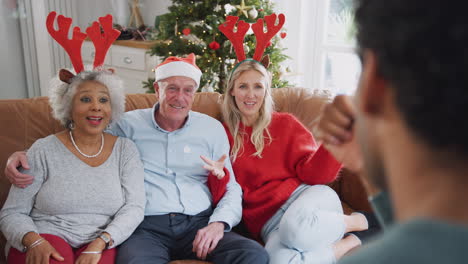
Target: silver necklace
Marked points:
88	156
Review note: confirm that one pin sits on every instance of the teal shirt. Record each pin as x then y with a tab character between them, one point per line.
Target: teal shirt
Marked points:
382	208
418	241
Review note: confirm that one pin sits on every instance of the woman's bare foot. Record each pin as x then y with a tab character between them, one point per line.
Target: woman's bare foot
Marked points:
355	222
346	244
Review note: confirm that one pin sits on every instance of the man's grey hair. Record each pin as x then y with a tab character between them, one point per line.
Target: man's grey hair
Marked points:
61	94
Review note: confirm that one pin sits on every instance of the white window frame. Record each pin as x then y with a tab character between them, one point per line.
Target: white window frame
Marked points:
306	41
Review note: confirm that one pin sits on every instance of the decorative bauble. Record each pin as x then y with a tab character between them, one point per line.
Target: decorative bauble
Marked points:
229	8
214	45
283	35
253	13
246	49
186	31
282	69
207	88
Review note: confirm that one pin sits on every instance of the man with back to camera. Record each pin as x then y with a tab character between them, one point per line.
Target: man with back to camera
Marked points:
408	121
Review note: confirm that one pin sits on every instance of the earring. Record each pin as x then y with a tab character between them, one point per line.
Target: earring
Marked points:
71	125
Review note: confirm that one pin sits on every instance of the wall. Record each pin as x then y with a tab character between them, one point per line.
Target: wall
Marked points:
12	71
89	10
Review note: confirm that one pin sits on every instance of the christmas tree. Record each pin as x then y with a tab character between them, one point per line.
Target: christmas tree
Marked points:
192	26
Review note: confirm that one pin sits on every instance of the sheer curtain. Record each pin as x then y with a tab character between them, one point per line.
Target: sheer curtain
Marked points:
303	35
321	45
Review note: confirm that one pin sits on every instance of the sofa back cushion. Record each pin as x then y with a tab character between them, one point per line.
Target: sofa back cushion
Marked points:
23	121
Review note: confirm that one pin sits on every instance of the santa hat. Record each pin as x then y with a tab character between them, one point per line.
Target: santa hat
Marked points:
175	66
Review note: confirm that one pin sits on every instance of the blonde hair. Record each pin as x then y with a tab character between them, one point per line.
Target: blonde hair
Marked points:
232	115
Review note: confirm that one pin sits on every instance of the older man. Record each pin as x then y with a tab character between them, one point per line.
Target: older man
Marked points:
180	222
411	103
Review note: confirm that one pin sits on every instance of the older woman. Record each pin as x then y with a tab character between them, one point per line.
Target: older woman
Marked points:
88	194
281	170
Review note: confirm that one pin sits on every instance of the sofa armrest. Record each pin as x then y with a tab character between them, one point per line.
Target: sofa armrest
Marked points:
352	191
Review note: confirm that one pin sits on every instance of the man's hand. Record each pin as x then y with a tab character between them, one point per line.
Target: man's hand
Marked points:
335	128
17	178
215	167
335	122
207	239
41	254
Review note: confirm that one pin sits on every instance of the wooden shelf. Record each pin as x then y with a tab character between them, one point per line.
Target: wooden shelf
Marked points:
139	44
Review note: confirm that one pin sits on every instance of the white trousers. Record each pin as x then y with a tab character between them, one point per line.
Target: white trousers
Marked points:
307	229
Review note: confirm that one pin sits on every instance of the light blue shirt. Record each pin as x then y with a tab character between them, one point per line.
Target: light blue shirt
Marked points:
175	180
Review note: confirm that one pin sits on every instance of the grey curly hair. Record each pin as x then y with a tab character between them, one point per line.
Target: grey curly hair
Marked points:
61	94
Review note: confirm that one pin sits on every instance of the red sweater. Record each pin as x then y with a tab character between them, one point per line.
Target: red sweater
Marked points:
292	158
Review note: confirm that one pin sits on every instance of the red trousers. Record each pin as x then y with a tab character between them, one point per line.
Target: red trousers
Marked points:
66	251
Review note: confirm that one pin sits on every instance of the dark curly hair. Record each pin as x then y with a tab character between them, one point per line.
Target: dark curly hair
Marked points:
421	48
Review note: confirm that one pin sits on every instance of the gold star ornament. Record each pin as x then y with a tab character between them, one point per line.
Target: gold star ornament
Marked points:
242	8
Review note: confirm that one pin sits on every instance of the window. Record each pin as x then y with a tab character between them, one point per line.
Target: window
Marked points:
321	44
340	66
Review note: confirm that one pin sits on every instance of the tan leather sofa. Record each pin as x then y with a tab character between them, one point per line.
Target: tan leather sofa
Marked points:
25	120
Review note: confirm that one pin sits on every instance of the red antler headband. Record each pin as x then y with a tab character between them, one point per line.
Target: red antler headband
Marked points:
237	38
102	41
264	37
71	46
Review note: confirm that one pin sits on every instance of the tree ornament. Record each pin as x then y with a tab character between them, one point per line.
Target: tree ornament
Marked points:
282	69
253	13
214	45
194	39
242	8
246	49
186	31
229	8
283	35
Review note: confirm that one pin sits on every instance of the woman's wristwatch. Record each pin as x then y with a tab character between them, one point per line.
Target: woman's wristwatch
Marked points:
106	238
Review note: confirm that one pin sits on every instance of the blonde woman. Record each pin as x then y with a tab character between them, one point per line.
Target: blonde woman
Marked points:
282	170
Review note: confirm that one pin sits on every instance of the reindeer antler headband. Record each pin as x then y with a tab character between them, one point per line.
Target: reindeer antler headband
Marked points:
237	37
102	41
